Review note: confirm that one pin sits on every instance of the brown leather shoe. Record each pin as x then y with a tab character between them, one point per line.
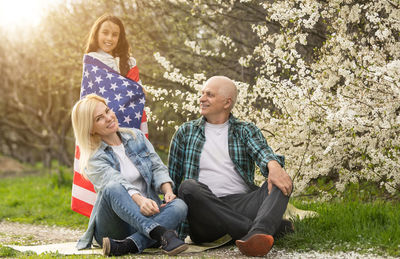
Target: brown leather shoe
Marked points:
256	245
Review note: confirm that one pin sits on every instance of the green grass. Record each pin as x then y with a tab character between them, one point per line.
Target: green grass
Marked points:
363	219
356	222
38	200
347	226
7	251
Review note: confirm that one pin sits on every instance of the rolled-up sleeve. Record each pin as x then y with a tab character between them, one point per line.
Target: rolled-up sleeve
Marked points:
259	150
175	159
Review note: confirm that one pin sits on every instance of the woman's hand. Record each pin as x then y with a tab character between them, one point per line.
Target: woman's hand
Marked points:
166	188
148	207
169	196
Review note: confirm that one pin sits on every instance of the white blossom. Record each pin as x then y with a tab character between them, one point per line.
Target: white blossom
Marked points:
339	113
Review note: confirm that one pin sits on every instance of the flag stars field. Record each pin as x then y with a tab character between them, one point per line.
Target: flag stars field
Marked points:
120	92
94	69
98	79
129	93
102	90
118	97
125	83
127	119
109	76
138	115
122	108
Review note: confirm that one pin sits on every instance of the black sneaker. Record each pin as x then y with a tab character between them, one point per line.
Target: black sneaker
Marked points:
118	247
171	244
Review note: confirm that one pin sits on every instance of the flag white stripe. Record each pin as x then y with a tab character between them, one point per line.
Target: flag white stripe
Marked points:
83	194
76	165
144	128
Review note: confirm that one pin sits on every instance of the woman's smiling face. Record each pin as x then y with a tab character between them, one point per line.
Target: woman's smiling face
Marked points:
105	122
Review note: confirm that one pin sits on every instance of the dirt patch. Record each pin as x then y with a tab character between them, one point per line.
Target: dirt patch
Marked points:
10	167
27	234
8	164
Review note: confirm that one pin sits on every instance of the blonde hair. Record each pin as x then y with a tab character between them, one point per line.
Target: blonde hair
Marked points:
82	124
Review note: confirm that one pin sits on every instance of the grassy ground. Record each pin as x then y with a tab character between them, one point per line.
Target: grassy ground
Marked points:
348	225
355	222
37	199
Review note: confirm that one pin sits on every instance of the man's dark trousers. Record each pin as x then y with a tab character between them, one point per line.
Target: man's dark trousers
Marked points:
211	217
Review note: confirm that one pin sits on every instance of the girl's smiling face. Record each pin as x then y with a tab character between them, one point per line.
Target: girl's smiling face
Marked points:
108	36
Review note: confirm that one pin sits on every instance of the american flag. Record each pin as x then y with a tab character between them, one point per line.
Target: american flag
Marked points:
126	98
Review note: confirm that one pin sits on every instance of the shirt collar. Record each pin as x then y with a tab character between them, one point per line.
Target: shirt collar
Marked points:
201	121
232	119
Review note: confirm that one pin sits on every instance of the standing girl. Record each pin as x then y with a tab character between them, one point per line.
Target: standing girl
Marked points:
107	43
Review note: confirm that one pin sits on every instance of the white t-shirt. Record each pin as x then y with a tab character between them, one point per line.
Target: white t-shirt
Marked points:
129	171
217	170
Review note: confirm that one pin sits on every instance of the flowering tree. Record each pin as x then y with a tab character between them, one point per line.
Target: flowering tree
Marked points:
333	111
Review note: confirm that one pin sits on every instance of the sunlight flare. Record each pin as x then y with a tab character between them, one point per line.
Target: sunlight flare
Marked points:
22	13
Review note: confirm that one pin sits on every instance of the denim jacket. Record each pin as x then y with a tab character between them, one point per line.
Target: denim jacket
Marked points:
103	167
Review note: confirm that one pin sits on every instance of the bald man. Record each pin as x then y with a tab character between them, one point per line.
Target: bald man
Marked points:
212	163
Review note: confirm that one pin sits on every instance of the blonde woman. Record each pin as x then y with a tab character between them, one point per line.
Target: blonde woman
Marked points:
128	215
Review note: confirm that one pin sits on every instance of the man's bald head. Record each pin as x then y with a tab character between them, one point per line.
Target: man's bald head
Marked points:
226	87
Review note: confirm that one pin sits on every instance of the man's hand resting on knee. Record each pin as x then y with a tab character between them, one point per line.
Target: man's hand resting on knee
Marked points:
277	176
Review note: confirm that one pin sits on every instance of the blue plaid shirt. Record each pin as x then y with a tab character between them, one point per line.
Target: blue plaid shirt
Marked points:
247	147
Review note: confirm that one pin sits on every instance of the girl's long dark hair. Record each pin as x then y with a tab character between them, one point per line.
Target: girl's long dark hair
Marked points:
121	50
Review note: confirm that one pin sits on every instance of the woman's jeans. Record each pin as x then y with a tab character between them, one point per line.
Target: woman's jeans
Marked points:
119	217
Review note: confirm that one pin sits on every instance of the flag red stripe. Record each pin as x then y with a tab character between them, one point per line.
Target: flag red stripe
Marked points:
77	152
82	182
81	207
133	74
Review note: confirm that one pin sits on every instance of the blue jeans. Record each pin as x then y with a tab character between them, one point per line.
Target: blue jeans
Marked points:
119	217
